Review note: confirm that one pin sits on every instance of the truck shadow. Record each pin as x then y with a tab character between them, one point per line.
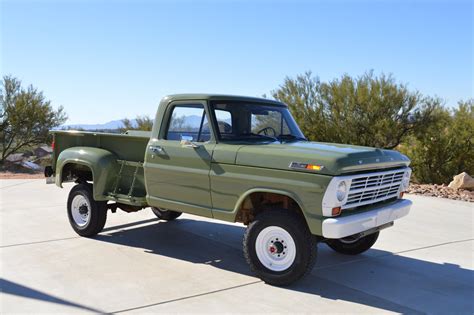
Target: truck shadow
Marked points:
13	288
376	278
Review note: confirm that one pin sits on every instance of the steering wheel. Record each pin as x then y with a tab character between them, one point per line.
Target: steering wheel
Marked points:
224	127
266	129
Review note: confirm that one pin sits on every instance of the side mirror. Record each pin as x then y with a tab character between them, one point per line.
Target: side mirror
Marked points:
187	141
189	144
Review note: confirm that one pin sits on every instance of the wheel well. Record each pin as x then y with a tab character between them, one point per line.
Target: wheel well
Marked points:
76	172
257	202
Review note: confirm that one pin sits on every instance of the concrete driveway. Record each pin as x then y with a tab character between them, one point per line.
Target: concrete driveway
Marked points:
424	264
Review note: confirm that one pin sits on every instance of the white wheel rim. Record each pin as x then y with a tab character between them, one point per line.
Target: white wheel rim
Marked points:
80	210
275	248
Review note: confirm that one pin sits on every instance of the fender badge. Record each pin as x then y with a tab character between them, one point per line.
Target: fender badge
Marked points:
305	166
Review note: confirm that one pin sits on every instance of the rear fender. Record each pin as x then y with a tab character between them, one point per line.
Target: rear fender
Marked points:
102	163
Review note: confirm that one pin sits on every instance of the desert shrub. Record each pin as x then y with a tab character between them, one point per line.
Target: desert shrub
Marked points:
144	123
368	110
26	117
445	147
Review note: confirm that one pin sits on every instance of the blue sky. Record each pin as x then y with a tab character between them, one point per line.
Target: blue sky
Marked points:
106	60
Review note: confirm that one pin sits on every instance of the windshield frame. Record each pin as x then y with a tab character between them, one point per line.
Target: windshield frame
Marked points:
292	126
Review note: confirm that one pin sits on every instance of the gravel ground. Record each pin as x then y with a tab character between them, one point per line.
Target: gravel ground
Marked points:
14	175
441	191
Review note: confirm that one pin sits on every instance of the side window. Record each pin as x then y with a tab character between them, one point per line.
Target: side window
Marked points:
188	122
224	121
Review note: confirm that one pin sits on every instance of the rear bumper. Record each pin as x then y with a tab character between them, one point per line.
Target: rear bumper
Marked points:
357	223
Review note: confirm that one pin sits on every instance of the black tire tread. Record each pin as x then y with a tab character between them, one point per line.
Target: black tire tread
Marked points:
362	245
168	215
98	211
285	217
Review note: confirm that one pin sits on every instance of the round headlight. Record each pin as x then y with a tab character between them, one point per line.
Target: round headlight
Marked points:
341	191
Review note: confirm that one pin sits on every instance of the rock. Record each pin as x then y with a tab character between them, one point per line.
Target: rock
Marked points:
441	192
462	181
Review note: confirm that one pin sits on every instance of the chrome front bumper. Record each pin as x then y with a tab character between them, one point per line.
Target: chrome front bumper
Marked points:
357	223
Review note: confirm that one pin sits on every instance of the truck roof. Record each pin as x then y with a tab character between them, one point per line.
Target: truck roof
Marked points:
221	97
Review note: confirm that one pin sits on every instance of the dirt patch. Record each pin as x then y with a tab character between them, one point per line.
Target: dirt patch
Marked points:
441	191
16	175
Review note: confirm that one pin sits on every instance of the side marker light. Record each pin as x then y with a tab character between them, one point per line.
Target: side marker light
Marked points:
336	211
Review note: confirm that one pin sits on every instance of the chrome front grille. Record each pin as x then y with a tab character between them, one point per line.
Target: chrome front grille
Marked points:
371	188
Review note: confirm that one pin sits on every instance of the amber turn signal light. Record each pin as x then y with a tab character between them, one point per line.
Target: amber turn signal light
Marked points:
336	211
401	194
314	167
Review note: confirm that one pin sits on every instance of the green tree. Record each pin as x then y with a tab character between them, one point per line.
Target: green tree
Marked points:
368	110
26	117
445	147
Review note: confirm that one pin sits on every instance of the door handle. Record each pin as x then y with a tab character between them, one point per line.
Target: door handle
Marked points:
156	149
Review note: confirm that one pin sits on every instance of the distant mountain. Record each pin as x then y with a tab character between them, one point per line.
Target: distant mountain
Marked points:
192	120
111	125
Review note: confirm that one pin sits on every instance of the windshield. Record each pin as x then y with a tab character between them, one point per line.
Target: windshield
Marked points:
254	122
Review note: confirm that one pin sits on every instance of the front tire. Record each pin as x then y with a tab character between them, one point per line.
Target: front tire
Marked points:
86	216
165	214
348	246
279	247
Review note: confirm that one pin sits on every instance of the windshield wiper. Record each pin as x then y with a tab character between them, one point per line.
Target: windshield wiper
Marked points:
290	137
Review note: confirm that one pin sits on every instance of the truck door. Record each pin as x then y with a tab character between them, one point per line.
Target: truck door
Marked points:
177	162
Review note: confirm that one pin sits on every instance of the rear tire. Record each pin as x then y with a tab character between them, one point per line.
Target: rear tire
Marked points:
353	247
165	214
279	247
86	216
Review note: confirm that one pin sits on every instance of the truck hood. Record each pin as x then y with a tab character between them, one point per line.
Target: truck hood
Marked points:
335	159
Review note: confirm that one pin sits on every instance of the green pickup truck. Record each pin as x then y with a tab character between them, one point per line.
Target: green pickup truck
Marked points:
237	159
